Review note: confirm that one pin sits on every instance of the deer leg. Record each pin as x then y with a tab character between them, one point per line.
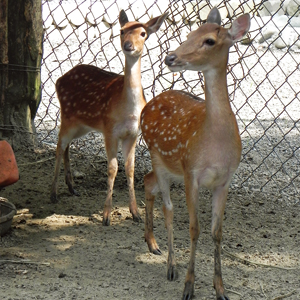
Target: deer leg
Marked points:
192	195
68	174
59	154
151	188
172	273
112	169
62	146
163	183
128	148
62	150
218	207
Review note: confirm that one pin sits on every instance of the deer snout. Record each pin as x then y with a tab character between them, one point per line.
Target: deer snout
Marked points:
169	60
128	46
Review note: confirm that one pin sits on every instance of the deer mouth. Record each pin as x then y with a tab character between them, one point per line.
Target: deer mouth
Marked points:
174	63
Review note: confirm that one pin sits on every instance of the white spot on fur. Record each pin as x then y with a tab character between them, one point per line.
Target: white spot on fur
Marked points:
187	142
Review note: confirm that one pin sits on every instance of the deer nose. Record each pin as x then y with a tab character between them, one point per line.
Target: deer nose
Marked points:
169	60
128	46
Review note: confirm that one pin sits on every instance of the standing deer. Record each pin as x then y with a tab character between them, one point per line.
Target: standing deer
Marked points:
94	99
194	139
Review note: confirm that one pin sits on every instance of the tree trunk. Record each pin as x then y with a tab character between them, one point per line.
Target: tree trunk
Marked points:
21	36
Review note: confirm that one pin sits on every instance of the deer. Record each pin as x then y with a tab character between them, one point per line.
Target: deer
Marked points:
92	99
194	140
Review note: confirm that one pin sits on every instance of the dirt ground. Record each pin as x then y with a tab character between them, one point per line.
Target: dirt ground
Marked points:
72	256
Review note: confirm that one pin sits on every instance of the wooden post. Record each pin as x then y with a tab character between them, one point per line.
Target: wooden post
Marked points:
20	64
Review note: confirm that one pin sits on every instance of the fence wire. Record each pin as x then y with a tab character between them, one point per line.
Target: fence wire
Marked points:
263	75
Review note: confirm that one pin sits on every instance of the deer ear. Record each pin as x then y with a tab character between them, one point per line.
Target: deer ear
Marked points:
123	19
240	27
154	24
214	16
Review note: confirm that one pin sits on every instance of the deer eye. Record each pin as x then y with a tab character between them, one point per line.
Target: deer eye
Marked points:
210	42
143	34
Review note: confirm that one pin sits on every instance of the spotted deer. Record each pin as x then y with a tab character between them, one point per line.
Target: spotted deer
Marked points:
93	99
195	140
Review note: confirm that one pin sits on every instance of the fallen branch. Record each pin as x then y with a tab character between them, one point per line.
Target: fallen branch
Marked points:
262	290
36	162
24	262
234	292
246	261
284	296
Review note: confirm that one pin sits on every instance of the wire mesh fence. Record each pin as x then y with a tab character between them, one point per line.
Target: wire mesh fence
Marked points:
263	75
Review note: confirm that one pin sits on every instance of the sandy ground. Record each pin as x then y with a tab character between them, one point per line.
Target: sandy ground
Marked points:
73	256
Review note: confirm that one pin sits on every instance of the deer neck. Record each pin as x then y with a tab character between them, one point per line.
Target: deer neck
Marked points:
133	91
218	109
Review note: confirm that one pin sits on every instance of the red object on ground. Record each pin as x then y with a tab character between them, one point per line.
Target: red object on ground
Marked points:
9	172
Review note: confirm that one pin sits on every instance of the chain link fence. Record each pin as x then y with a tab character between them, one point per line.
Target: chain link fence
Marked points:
263	76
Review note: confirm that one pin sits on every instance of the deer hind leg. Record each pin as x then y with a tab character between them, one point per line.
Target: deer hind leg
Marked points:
68	173
128	148
62	146
218	207
151	189
59	154
192	195
112	169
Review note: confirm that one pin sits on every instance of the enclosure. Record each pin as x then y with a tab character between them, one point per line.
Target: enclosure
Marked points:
72	256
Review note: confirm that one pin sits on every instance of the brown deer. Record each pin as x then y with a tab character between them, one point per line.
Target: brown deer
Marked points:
94	99
194	139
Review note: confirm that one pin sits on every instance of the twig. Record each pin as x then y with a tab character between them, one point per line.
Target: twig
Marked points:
36	162
284	296
262	290
245	261
24	262
100	161
234	292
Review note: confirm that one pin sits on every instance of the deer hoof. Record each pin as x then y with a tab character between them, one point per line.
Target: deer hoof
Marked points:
223	298
172	273
54	198
188	291
137	218
156	251
73	191
106	221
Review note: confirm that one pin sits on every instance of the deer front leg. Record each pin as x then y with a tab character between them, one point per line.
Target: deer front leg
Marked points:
68	174
172	273
151	188
218	207
112	169
192	194
128	148
163	183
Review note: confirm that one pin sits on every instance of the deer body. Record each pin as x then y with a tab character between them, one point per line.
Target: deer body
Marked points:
94	99
215	157
99	110
195	140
